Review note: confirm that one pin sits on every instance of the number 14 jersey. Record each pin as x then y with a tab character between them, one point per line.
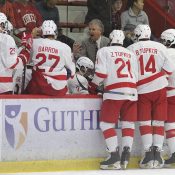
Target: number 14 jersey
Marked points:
154	62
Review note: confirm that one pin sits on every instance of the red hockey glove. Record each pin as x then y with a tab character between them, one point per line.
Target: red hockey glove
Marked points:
27	41
92	88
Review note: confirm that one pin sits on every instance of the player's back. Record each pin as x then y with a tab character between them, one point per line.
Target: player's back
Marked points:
152	58
50	59
8	58
8	52
49	56
120	67
118	64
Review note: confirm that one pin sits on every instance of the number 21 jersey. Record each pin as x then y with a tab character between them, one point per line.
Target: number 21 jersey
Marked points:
117	67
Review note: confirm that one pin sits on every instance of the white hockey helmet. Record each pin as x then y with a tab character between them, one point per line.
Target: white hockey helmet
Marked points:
142	31
168	37
9	28
85	66
3	22
49	28
117	37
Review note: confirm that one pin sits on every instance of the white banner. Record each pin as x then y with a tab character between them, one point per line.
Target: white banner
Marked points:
48	129
37	129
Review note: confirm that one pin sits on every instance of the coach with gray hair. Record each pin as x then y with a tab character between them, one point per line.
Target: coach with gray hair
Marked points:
95	41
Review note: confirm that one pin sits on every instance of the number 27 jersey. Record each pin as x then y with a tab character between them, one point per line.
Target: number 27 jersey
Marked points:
153	60
50	59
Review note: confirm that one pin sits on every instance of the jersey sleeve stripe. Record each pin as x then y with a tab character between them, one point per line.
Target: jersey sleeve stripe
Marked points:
170	88
100	75
6	79
23	58
57	77
169	73
121	85
13	66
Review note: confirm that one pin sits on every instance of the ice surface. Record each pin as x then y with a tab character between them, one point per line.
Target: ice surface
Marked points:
106	172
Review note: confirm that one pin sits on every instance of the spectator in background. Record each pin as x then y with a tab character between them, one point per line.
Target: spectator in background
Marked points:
116	14
65	39
7	8
27	17
108	11
49	11
131	18
135	14
100	9
95	41
129	35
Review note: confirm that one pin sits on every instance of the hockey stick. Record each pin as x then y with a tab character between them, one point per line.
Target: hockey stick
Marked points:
23	79
105	91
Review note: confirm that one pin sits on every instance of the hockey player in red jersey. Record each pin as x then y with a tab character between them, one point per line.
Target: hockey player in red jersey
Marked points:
50	59
9	59
154	63
26	16
117	68
168	39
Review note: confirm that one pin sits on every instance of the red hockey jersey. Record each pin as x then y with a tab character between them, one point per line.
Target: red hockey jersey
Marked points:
27	17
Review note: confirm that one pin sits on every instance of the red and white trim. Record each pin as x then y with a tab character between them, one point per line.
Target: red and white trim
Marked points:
57	77
6	79
149	79
121	85
100	75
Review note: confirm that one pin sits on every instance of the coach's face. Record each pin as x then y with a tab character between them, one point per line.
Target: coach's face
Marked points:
95	32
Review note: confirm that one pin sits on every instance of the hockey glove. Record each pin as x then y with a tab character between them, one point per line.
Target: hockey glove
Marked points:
27	41
92	88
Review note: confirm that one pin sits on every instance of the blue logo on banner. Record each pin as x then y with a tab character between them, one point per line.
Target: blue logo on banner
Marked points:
16	125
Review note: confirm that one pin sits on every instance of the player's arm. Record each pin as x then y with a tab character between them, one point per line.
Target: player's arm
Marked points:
100	67
12	59
134	66
168	66
69	64
100	72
